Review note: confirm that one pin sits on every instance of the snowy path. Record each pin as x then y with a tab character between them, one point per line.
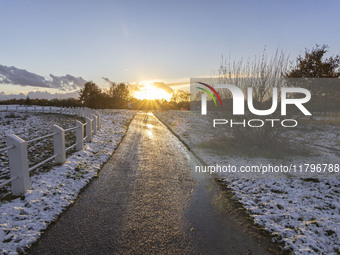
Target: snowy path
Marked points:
146	201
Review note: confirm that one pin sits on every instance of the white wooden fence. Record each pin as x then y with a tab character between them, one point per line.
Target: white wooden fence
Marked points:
17	147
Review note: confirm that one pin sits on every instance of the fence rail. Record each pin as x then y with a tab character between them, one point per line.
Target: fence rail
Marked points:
17	147
6	149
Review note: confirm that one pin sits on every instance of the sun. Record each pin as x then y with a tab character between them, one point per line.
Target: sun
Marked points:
150	92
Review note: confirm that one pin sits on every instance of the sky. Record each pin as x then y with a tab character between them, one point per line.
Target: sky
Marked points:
58	44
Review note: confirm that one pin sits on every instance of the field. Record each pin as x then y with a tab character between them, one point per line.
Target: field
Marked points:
28	126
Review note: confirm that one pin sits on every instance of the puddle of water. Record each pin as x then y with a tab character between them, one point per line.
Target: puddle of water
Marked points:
149	134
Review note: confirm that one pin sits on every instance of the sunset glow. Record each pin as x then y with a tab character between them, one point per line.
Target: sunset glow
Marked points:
150	92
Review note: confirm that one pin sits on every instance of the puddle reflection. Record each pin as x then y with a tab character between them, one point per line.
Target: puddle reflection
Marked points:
149	134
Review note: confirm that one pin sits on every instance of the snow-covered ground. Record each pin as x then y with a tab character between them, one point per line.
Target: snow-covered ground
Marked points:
28	126
303	213
23	219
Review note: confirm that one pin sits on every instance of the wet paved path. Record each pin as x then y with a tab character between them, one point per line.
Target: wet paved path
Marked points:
146	201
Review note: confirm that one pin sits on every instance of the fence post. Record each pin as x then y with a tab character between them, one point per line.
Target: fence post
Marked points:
88	129
98	120
94	123
18	164
59	144
79	136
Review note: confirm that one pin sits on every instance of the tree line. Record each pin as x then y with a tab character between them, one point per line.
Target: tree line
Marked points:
118	96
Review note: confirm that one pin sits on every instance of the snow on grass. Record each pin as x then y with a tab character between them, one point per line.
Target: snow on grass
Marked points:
22	219
28	126
302	213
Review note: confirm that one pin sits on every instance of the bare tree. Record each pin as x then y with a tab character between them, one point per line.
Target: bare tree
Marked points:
262	74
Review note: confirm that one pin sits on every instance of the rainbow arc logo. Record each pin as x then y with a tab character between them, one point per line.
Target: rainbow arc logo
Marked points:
209	93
